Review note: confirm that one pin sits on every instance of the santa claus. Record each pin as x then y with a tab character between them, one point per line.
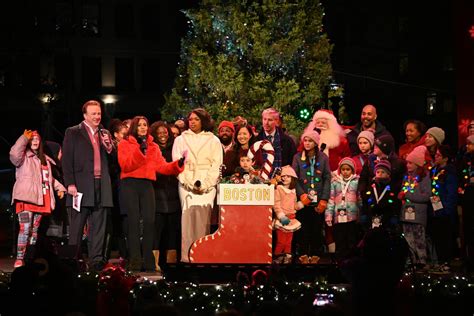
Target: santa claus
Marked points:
333	140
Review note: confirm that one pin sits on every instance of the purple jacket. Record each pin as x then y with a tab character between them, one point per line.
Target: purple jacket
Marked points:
28	185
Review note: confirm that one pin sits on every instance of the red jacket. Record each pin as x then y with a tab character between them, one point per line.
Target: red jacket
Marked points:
134	164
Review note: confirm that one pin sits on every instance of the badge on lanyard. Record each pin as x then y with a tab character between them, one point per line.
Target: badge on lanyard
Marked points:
436	203
376	221
410	212
313	196
342	216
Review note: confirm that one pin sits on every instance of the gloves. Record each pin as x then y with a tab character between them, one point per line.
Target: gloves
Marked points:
60	194
305	199
401	195
321	206
284	220
28	133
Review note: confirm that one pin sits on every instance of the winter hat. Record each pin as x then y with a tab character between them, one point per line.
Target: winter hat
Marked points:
417	156
227	124
385	143
470	139
346	161
35	133
312	135
367	135
288	171
437	134
383	164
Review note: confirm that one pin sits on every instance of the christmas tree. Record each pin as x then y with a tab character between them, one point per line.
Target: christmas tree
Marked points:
240	57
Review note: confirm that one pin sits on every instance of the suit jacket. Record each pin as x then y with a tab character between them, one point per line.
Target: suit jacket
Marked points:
78	167
288	147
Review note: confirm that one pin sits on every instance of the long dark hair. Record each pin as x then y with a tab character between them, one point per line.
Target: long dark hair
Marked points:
154	132
207	123
132	131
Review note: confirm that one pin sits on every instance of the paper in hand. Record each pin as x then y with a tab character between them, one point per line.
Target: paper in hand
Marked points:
76	201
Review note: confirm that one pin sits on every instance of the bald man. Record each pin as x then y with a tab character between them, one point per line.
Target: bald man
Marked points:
368	122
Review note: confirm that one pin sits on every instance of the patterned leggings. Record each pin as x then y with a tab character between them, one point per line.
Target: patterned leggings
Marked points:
416	238
29	224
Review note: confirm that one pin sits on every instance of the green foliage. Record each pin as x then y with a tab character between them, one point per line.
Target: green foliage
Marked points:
240	57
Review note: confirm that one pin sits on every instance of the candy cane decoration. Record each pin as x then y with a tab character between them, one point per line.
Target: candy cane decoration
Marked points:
267	147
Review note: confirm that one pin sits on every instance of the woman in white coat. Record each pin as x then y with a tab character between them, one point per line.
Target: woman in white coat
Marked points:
197	183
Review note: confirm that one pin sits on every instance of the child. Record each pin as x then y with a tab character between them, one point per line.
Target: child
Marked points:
285	209
365	141
343	207
314	181
33	189
415	196
245	173
443	220
380	206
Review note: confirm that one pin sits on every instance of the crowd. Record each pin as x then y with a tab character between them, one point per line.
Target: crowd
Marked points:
149	191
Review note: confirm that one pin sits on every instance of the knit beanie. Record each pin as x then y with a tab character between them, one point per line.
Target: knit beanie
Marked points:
437	134
470	139
383	164
312	135
367	135
385	143
227	124
417	156
288	171
346	161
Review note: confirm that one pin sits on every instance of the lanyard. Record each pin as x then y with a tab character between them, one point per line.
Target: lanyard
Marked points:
377	198
345	186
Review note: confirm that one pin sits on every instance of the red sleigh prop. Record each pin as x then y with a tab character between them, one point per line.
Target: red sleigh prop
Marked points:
245	229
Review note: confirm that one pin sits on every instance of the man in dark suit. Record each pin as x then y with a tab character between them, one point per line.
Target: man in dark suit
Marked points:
283	144
85	167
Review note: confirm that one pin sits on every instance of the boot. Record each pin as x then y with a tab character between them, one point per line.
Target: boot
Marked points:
171	256
156	254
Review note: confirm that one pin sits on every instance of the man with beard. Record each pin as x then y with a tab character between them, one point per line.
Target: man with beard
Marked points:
226	133
368	121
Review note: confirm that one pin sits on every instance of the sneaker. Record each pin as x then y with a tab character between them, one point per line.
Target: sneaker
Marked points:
18	263
287	259
279	259
304	259
314	259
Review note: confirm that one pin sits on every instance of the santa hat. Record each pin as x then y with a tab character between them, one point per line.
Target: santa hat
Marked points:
367	135
383	164
227	124
417	156
437	134
288	171
348	162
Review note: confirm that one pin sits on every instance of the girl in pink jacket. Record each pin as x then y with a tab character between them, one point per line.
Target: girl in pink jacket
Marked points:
33	189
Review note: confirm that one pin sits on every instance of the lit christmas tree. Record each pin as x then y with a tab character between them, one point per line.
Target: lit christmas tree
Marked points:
240	57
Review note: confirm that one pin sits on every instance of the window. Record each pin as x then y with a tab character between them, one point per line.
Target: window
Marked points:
151	74
91	73
64	18
124	74
90	19
150	22
124	20
64	70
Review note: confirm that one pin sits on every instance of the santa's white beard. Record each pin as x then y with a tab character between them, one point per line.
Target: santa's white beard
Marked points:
331	139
